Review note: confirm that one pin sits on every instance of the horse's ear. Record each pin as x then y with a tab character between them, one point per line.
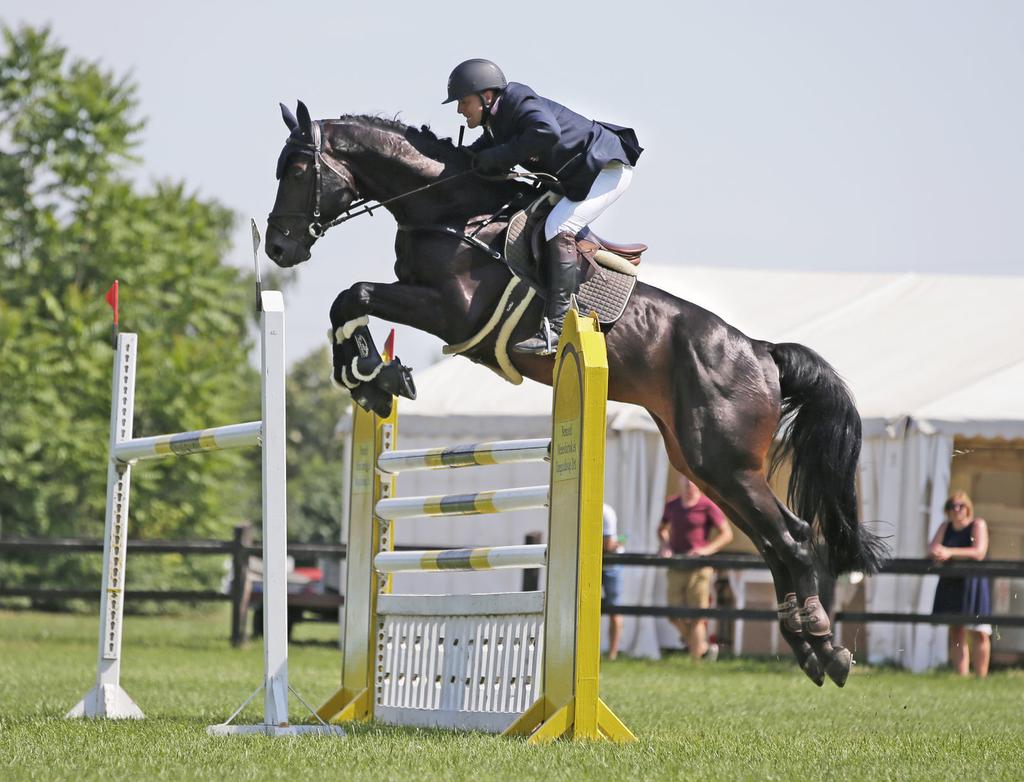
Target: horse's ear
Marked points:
305	123
288	117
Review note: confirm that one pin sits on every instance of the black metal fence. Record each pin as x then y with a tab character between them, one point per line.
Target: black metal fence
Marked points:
896	567
240	549
242	546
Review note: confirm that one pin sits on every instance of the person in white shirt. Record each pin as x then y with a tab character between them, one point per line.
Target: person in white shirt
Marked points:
611	578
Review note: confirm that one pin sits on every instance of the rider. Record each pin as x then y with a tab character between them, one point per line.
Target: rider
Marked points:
593	161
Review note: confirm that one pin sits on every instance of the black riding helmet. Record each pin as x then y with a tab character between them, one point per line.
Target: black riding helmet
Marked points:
474	76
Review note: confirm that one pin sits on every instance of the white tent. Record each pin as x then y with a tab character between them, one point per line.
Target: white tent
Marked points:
928	357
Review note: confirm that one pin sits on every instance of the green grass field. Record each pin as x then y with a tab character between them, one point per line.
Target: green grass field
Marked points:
729	720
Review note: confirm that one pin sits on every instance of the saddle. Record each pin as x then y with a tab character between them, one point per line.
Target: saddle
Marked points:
607	270
607	277
591	242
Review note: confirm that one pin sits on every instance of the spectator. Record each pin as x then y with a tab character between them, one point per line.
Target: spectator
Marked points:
611	577
692	526
962	536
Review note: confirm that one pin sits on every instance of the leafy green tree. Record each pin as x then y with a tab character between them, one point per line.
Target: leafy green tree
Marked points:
71	221
315	480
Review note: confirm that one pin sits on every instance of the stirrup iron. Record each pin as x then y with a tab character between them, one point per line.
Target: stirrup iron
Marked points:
545	326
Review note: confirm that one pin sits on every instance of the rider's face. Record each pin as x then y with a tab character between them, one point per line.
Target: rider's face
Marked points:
472	108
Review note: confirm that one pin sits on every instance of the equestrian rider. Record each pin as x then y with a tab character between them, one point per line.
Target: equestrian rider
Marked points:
593	161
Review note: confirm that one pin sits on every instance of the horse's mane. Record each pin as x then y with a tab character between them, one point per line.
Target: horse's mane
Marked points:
427	143
423	137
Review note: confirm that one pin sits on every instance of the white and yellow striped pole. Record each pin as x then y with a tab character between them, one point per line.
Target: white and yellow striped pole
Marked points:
184	443
472	455
496	501
465	559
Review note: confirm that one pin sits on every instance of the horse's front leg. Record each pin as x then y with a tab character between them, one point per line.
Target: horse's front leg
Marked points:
397	302
357	362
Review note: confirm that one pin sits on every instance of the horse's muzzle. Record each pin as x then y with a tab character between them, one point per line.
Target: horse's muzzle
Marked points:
284	250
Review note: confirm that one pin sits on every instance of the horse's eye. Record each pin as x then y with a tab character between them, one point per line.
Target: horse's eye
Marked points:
298	170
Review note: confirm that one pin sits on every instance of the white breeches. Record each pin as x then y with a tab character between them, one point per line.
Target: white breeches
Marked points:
571	217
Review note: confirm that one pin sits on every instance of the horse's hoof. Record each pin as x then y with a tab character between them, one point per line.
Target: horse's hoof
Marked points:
372	399
838	668
812	667
396	379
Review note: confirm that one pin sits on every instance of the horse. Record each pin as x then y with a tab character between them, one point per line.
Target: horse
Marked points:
720	398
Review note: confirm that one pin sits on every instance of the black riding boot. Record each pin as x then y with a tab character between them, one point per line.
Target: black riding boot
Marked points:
560	258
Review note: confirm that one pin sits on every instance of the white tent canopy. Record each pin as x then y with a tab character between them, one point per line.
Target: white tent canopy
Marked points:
928	346
928	357
946	350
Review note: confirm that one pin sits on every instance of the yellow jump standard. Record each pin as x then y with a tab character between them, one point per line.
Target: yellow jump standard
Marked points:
551	637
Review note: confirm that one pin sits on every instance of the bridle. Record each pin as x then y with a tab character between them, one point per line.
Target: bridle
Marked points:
313	147
315	228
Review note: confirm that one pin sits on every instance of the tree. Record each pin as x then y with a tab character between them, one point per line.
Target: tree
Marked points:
315	480
71	221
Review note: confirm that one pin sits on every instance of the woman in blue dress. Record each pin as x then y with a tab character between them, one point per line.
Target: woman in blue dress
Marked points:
962	536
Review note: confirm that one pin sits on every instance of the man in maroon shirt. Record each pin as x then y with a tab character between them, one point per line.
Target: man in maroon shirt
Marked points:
692	526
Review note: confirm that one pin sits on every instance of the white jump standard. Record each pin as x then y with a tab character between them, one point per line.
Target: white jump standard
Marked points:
108	699
521	663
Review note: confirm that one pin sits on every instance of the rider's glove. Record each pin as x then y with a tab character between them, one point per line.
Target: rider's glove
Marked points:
491	161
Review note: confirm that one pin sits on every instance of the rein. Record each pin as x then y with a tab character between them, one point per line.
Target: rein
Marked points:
317	229
368	209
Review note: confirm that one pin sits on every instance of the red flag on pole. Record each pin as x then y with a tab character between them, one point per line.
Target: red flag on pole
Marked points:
112	299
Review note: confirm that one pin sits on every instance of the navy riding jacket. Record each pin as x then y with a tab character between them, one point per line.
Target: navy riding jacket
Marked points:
543	136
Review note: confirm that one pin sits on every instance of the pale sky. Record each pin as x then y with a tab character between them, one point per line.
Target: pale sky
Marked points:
856	136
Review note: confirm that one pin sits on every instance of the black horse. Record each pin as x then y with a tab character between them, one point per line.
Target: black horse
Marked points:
719	397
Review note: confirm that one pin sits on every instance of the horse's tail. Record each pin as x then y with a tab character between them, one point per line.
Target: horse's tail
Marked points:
821	430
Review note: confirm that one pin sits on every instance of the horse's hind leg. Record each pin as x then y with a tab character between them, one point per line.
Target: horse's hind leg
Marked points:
724	492
785	594
787	539
790	625
817	627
